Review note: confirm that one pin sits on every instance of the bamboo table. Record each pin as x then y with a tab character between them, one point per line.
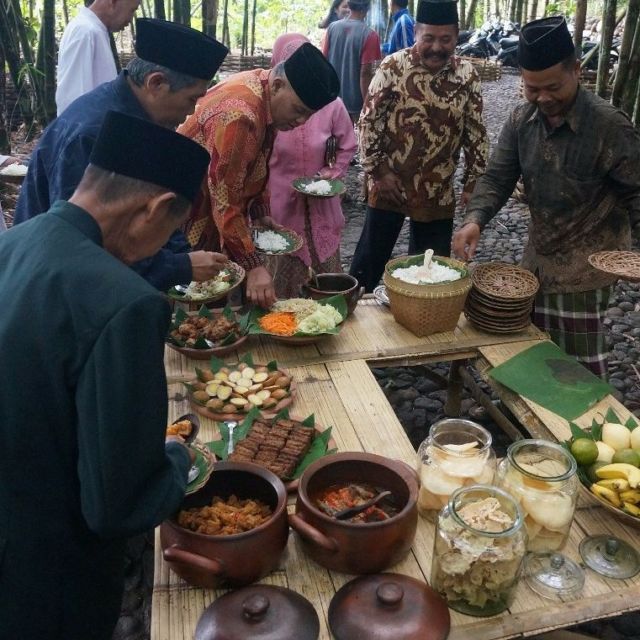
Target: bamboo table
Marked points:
336	384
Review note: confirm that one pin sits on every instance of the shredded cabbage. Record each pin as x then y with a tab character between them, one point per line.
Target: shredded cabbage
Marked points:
323	319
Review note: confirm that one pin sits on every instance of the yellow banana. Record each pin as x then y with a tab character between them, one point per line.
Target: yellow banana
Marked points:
631	509
620	470
608	494
632	496
617	484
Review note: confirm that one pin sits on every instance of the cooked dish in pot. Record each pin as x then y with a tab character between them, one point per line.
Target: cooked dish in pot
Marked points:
225	517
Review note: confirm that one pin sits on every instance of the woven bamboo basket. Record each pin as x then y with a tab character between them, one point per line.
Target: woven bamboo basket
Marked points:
426	308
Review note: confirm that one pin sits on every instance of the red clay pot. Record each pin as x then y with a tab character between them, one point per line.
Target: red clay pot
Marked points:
349	547
235	560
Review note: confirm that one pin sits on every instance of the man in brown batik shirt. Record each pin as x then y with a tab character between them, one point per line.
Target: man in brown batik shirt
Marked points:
423	106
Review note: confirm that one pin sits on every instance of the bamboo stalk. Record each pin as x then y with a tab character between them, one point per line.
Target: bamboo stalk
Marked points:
581	18
606	38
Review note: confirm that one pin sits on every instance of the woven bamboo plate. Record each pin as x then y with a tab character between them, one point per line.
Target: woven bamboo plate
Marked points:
236	278
623	264
504	281
499	304
293	240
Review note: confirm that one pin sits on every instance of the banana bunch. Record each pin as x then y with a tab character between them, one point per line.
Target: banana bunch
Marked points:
619	484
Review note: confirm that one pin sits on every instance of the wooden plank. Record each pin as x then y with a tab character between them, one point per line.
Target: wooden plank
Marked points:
369	334
346	395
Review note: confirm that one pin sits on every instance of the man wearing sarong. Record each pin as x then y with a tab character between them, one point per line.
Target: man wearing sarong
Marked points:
423	106
580	160
236	122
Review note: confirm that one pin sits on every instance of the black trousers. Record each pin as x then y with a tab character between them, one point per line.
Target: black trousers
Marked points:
378	238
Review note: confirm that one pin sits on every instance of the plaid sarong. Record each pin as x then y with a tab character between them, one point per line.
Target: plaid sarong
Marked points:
574	322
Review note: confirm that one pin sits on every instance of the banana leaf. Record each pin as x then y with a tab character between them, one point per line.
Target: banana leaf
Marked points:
337	302
181	315
319	445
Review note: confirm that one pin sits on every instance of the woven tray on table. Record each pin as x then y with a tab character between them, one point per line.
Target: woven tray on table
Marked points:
623	264
504	281
426	308
501	298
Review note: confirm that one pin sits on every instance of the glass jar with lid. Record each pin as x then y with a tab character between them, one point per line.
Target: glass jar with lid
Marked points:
457	453
478	551
542	477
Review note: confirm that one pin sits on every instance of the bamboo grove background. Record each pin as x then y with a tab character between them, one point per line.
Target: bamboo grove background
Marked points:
31	29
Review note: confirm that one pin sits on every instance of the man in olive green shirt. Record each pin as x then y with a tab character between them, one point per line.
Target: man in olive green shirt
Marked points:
580	161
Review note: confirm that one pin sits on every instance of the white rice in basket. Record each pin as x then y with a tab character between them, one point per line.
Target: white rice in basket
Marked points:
270	241
435	274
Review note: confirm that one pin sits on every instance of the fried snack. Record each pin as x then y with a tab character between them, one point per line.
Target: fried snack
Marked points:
182	428
225	517
279	448
213	329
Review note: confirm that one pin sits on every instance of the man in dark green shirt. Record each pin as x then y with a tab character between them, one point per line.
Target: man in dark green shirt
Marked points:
580	161
83	399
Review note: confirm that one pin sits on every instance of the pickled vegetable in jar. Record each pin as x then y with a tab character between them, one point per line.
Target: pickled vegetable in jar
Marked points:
542	477
478	551
457	453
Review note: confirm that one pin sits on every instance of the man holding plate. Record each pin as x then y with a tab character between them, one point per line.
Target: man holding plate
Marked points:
236	122
83	402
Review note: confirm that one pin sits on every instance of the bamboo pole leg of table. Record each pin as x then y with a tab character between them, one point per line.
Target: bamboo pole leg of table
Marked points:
454	390
485	401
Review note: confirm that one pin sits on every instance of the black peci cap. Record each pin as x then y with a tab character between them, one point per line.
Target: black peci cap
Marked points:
144	151
438	12
544	43
178	48
312	77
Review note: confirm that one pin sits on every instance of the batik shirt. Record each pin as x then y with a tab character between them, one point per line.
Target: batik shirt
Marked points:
233	123
415	122
582	181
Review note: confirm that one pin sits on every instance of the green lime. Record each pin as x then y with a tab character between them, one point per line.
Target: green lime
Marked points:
627	456
584	450
591	471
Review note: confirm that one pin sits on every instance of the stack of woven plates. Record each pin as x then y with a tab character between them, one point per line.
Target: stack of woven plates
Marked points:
501	298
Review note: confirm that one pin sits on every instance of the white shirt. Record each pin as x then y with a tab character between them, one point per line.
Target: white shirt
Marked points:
84	59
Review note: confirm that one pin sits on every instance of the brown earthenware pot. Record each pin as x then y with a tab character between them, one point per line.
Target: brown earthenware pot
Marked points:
324	285
351	547
234	560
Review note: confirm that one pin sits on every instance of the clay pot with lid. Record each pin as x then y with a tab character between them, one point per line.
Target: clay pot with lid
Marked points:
324	285
357	547
210	561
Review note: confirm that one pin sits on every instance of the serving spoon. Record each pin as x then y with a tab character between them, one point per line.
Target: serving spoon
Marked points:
349	512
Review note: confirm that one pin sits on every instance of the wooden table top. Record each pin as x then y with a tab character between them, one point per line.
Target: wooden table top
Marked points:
370	334
345	395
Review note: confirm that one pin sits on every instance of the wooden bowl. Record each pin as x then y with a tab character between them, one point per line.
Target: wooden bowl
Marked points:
205	354
618	513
